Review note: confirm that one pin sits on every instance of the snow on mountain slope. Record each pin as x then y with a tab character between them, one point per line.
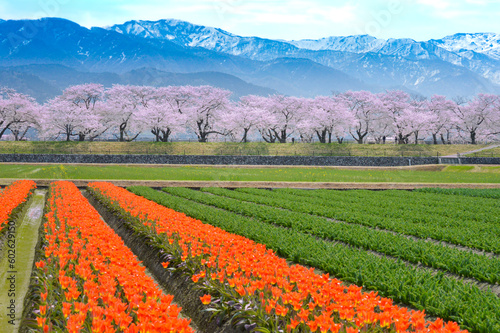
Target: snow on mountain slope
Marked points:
479	53
484	43
305	67
187	34
450	48
355	44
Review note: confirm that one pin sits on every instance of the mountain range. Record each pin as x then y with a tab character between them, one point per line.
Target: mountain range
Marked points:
42	57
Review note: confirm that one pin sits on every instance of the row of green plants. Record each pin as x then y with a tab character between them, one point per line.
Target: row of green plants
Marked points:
418	208
463	263
469	192
420	216
438	294
393	203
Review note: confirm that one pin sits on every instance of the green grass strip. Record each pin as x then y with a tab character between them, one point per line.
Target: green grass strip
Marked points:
204	173
439	295
17	261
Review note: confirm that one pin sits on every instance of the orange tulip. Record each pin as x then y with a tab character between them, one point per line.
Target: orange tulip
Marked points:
206	299
100	276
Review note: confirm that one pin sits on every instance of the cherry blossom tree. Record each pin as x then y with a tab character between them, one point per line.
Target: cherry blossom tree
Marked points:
242	117
204	109
279	116
397	107
87	101
59	118
266	120
126	106
286	111
419	118
308	121
365	108
329	117
78	112
20	129
164	112
17	113
441	122
473	118
381	128
494	123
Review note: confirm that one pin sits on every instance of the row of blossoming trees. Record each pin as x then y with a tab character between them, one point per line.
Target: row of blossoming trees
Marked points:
89	112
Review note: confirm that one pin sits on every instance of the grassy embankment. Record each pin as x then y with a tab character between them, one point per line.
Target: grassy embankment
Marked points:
253	148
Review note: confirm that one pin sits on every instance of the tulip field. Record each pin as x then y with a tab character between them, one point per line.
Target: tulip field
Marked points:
257	260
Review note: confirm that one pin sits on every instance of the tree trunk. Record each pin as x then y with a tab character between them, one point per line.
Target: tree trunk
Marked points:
403	139
156	132
434	138
281	136
245	135
321	136
135	137
165	134
4	129
473	137
361	137
22	136
202	133
268	136
202	137
123	126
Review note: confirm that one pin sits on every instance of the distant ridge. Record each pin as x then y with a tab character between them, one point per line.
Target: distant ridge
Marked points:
168	51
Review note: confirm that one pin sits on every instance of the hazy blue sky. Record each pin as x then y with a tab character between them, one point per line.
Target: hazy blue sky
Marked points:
294	19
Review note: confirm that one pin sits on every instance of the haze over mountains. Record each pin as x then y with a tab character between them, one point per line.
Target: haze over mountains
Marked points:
42	57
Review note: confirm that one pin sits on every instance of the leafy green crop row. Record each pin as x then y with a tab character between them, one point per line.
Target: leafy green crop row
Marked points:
462	263
419	204
439	295
480	193
419	207
396	216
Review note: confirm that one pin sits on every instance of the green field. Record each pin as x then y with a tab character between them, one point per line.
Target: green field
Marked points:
252	148
400	244
450	174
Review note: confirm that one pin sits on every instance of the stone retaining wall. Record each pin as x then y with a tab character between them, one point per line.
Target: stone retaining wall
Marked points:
235	160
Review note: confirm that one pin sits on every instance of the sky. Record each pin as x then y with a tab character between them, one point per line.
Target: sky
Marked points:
289	20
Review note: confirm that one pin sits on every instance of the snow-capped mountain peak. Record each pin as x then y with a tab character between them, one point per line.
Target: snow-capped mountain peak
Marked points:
180	32
191	35
479	53
458	65
485	43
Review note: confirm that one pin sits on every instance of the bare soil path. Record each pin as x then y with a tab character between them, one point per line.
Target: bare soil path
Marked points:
265	184
473	151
